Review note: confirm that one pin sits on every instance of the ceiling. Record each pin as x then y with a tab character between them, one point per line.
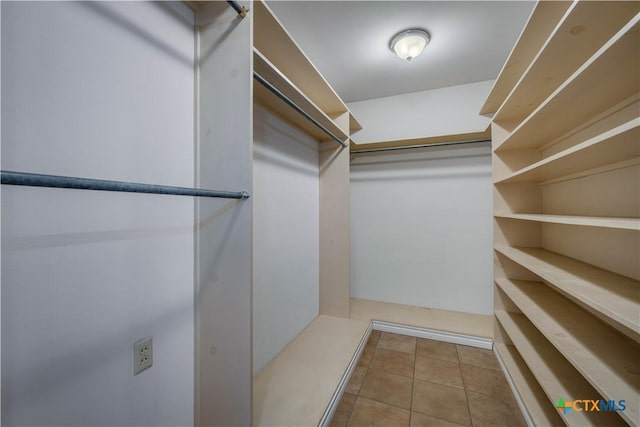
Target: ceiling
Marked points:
348	42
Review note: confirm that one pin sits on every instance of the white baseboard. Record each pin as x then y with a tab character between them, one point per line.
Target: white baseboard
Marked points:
433	334
337	395
514	390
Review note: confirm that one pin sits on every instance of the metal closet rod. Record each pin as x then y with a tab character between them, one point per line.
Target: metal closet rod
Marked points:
57	181
242	11
410	147
295	106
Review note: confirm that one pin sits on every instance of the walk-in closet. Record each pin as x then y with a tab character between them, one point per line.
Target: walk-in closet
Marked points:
275	213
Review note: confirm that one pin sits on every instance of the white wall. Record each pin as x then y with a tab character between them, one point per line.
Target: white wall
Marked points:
285	234
446	111
223	230
0	220
421	224
100	90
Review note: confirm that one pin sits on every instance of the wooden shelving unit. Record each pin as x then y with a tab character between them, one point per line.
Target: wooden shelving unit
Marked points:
553	371
612	297
612	146
486	135
280	61
566	168
606	359
588	221
290	390
539	26
354	124
580	33
594	88
298	385
276	44
263	96
538	408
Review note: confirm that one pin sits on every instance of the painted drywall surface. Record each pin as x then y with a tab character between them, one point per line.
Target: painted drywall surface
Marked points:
224	228
421	224
100	90
0	220
286	234
446	111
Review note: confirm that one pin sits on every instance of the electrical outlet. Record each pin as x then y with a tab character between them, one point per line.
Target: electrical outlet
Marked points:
142	355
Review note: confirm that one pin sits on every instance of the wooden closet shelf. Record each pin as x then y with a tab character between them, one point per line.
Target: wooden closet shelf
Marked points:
297	386
538	407
575	39
354	124
275	43
613	298
595	87
615	145
263	96
588	221
540	24
478	325
410	142
567	132
557	377
605	358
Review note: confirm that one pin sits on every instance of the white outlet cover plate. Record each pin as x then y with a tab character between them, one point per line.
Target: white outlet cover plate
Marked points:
142	355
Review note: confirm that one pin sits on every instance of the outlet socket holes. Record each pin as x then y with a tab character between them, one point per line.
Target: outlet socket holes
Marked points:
142	355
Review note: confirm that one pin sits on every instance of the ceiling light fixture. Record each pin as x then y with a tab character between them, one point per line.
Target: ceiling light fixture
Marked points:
408	44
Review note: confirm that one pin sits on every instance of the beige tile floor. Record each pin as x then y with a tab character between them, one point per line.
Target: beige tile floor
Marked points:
407	381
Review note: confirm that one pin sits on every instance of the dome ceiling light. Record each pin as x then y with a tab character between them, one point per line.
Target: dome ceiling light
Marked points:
410	43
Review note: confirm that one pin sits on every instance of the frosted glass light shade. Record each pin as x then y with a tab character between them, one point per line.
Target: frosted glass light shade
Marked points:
409	43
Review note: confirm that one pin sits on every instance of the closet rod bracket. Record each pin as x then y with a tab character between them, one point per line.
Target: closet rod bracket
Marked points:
241	10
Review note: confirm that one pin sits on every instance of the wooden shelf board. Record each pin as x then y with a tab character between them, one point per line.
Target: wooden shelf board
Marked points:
588	221
424	141
615	145
478	325
263	96
557	377
592	89
541	22
275	43
540	410
605	358
613	298
583	30
296	387
354	124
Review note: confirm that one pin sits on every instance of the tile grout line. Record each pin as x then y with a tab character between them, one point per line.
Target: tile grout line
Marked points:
413	380
464	385
352	408
385	403
443	385
393	373
366	369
